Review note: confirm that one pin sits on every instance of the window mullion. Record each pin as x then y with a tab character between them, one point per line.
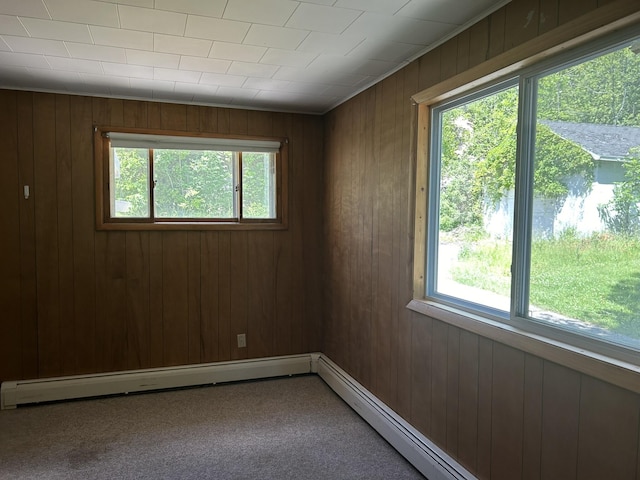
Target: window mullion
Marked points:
525	152
152	186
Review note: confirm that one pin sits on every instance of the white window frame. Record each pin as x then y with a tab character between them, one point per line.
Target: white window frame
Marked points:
612	362
107	138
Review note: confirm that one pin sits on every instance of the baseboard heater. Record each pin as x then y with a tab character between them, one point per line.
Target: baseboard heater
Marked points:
423	454
430	460
24	392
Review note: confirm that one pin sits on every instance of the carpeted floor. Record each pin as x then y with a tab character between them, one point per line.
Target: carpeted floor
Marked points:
288	428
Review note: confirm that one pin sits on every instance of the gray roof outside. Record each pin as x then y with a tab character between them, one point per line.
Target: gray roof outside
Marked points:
601	141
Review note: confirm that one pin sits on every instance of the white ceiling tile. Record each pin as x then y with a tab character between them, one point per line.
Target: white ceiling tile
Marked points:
3	46
397	29
342	44
97	52
75	65
252	69
59	79
387	51
308	88
134	3
222	80
54	30
319	76
25	8
23	60
216	29
319	18
286	38
445	11
339	91
320	2
36	45
196	89
234	51
207	8
266	84
119	37
10	25
198	64
184	76
388	7
195	47
84	11
158	85
236	94
290	58
149	20
108	81
373	67
122	70
268	12
152	59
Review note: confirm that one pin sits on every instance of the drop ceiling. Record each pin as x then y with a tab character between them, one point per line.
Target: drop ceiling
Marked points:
298	56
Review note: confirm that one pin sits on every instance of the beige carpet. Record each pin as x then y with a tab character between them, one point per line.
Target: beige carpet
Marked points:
289	428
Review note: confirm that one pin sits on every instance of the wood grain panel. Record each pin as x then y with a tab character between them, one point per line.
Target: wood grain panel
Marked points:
225	340
548	16
607	445
83	233
448	59
10	267
47	263
521	23
439	357
571	9
194	296
453	388
64	196
260	294
468	400
531	451
28	286
485	407
464	48
238	279
175	293
210	289
560	417
429	69
497	32
507	420
478	42
138	297
421	372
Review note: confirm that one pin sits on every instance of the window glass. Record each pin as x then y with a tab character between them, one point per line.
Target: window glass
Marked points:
474	199
258	181
129	175
585	223
193	184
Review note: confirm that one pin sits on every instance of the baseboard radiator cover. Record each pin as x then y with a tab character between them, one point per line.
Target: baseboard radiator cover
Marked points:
14	393
423	454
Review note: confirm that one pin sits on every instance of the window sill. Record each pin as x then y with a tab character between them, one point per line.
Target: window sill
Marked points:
617	372
189	226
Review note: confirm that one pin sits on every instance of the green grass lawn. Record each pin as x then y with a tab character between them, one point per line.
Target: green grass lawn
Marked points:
595	279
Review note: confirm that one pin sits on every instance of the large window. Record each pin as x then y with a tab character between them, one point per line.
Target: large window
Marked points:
152	180
534	199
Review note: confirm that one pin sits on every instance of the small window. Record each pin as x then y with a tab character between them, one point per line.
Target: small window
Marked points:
534	200
154	181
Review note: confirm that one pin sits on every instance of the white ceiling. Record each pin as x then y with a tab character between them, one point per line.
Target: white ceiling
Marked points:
299	56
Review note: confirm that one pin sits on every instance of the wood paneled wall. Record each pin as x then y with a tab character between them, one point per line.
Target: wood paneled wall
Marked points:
501	412
76	300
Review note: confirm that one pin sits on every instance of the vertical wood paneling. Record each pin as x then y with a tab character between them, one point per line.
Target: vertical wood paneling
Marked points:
64	207
449	58
421	372
468	400
532	417
210	291
453	388
156	300
478	42
607	444
439	356
260	294
175	292
46	217
28	287
571	9
507	421
83	233
239	271
138	298
194	296
560	417
10	267
225	339
548	15
485	407
521	23
496	32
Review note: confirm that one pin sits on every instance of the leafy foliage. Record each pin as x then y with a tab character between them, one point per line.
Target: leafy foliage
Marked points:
622	213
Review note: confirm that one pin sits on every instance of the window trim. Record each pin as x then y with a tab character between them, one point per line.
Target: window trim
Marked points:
604	363
102	200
